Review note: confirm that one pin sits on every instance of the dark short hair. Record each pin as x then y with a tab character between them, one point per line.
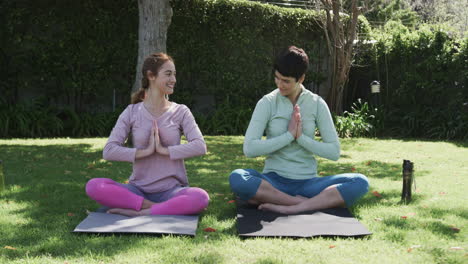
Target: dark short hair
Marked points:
291	62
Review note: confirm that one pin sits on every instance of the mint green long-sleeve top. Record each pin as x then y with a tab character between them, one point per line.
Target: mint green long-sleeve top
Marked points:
291	158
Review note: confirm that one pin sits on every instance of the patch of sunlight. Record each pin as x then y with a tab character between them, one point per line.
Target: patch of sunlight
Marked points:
204	170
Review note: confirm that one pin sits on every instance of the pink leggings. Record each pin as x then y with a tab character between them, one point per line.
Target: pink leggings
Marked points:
109	193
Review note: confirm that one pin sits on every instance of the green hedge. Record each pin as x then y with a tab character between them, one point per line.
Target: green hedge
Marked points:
424	77
69	53
225	49
62	60
73	54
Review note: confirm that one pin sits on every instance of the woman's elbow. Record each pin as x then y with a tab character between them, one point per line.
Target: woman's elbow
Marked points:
335	157
203	149
248	152
336	154
106	153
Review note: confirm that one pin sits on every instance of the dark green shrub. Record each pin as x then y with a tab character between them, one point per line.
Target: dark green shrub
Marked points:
359	122
424	81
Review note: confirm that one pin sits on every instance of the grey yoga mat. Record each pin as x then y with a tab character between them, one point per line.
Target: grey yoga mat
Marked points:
98	222
330	222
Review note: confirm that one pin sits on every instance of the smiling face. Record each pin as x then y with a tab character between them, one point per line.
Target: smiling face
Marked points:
165	80
288	86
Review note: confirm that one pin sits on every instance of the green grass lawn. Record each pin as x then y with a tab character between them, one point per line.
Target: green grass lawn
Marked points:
45	200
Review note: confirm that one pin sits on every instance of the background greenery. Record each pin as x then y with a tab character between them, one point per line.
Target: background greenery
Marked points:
423	74
45	200
63	62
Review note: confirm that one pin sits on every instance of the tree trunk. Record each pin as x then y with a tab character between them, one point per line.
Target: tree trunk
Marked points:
340	36
155	18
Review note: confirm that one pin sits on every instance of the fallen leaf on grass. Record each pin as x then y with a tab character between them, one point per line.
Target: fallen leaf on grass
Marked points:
10	248
71	214
353	169
413	247
322	173
456	248
442	193
331	246
404	217
368	163
376	194
209	229
455	229
232	201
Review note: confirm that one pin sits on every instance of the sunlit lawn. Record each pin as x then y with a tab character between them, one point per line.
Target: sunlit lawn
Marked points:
45	200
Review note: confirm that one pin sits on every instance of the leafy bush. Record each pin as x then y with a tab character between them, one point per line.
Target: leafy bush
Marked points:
357	123
424	76
226	120
38	120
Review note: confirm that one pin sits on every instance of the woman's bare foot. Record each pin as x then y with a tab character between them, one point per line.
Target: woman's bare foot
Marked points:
129	212
282	209
300	199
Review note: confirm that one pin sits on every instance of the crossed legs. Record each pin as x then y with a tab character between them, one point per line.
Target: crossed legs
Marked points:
322	192
122	201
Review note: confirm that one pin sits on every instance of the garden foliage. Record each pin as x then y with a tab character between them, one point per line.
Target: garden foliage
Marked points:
63	62
424	76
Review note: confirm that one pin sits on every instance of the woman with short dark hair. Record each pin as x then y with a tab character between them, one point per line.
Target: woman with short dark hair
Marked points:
289	116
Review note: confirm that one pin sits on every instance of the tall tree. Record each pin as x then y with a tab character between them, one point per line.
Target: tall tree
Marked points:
154	20
340	25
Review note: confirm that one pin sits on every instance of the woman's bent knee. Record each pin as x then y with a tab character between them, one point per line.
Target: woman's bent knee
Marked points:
96	186
363	183
198	197
243	183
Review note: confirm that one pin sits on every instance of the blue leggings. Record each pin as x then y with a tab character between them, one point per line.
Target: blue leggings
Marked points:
352	186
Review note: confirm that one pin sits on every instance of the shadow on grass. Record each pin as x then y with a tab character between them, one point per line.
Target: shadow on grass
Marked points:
433	224
49	200
458	143
49	184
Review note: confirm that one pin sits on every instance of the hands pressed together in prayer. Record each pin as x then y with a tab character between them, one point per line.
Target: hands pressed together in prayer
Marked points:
154	144
155	141
295	124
